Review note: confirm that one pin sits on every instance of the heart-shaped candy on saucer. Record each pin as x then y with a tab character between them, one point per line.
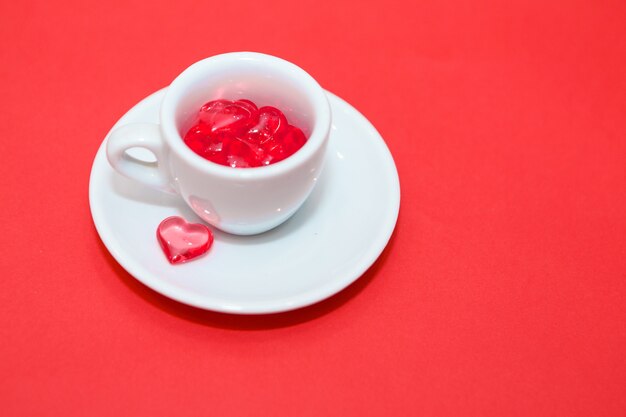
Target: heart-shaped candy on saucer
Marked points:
182	241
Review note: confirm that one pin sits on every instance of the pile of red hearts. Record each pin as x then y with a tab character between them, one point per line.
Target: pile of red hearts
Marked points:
240	135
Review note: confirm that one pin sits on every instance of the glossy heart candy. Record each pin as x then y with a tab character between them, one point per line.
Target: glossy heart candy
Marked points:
228	116
277	149
271	123
240	135
182	241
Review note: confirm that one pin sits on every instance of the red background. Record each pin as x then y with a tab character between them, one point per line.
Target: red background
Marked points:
502	291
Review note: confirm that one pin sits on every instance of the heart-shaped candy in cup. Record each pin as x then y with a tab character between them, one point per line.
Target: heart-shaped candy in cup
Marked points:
271	122
240	135
213	146
288	143
182	241
228	115
241	154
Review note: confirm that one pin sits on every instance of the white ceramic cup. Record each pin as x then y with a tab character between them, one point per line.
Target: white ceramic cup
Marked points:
242	201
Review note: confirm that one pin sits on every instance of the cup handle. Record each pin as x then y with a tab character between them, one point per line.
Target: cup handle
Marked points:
140	135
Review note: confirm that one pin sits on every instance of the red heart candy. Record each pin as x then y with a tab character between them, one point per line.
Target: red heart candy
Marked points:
196	139
228	116
293	139
271	122
182	241
211	146
240	135
241	154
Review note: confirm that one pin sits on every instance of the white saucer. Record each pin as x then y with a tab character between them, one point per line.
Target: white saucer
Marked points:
329	243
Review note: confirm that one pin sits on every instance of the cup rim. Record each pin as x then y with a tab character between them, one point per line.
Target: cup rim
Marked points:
317	137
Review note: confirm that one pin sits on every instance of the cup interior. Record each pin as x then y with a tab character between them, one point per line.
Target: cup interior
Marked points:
266	80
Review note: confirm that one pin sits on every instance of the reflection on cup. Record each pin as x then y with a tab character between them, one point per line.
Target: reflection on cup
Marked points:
204	209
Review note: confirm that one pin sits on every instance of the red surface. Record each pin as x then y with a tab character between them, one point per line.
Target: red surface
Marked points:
502	292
